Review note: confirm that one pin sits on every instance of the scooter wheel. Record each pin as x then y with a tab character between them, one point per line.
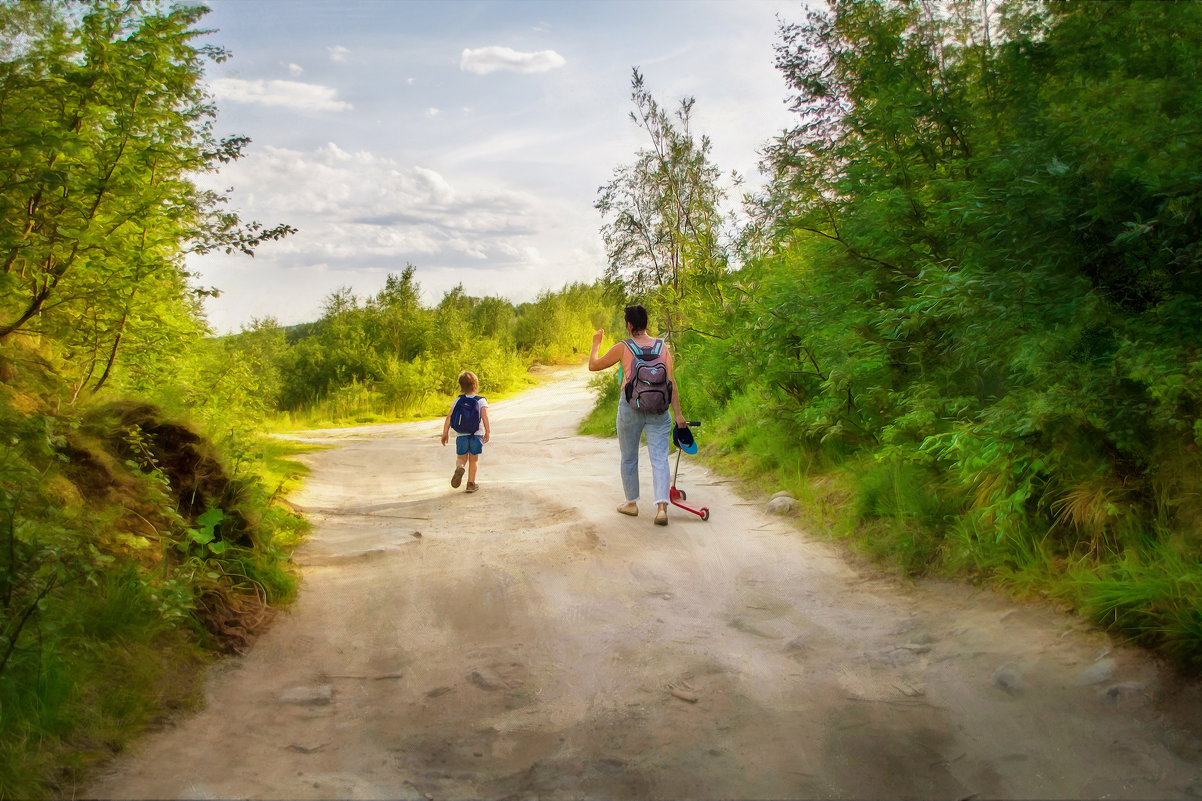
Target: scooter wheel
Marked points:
705	514
683	496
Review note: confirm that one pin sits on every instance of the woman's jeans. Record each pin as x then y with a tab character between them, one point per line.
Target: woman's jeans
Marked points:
631	424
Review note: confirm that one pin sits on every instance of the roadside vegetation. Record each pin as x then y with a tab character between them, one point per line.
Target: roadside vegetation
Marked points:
964	319
388	357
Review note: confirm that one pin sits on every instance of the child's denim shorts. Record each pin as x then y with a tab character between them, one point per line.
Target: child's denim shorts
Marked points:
469	443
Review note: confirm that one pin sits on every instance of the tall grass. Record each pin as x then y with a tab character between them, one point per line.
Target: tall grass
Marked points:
1149	596
107	665
357	404
900	513
371	403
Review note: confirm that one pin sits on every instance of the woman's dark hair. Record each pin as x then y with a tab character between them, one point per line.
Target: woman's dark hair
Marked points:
637	317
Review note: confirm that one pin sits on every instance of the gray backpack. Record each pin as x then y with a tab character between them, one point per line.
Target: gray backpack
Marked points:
648	389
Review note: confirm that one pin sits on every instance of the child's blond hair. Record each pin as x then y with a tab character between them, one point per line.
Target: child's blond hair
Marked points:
468	382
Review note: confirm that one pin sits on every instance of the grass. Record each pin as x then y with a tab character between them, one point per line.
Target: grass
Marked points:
356	406
1150	597
360	405
899	513
601	421
107	668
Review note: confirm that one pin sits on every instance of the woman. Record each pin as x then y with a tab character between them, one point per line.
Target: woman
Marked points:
632	422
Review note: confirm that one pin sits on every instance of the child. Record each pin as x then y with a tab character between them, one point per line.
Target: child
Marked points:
469	446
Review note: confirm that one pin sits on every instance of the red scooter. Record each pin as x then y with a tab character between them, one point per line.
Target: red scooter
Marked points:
683	439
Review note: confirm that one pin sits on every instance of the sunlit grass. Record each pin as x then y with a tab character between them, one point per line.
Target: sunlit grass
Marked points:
360	405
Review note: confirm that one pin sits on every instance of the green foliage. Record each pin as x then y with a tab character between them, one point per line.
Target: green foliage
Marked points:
129	537
900	513
994	301
204	534
602	421
559	325
83	693
389	357
110	577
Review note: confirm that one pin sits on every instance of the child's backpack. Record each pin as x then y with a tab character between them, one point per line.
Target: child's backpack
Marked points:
465	415
648	389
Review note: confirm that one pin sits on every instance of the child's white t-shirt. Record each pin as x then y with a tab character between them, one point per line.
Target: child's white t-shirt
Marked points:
481	403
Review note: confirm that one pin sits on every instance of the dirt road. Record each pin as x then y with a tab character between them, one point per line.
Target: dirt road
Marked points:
526	641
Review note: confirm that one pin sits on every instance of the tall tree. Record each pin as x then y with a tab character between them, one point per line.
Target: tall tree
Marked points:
663	226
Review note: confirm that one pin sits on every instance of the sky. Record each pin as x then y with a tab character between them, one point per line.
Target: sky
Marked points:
466	138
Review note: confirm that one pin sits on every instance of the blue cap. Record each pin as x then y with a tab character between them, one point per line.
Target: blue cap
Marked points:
684	439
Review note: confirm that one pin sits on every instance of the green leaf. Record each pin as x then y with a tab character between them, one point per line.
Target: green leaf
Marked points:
211	517
201	536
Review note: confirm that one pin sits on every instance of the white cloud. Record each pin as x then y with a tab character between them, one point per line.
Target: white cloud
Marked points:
286	94
432	112
435	184
335	152
338	53
484	60
356	209
295	70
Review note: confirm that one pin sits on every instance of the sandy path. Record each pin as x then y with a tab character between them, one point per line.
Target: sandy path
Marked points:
528	644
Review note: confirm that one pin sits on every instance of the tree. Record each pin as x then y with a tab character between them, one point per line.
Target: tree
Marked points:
104	121
985	229
400	325
663	227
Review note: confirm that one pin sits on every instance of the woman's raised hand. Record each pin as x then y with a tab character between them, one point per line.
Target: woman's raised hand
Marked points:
597	338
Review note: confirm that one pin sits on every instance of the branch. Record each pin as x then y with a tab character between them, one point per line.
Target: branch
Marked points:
810	354
692	330
853	251
12	642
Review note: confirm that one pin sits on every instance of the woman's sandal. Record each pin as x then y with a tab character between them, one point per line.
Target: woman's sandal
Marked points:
629	509
661	517
472	486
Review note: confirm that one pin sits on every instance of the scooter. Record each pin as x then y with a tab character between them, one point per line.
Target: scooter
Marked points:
683	439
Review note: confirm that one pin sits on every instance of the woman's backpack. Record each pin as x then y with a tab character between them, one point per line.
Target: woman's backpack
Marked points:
648	390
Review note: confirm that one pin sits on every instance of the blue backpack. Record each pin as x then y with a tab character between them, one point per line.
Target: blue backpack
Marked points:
465	415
